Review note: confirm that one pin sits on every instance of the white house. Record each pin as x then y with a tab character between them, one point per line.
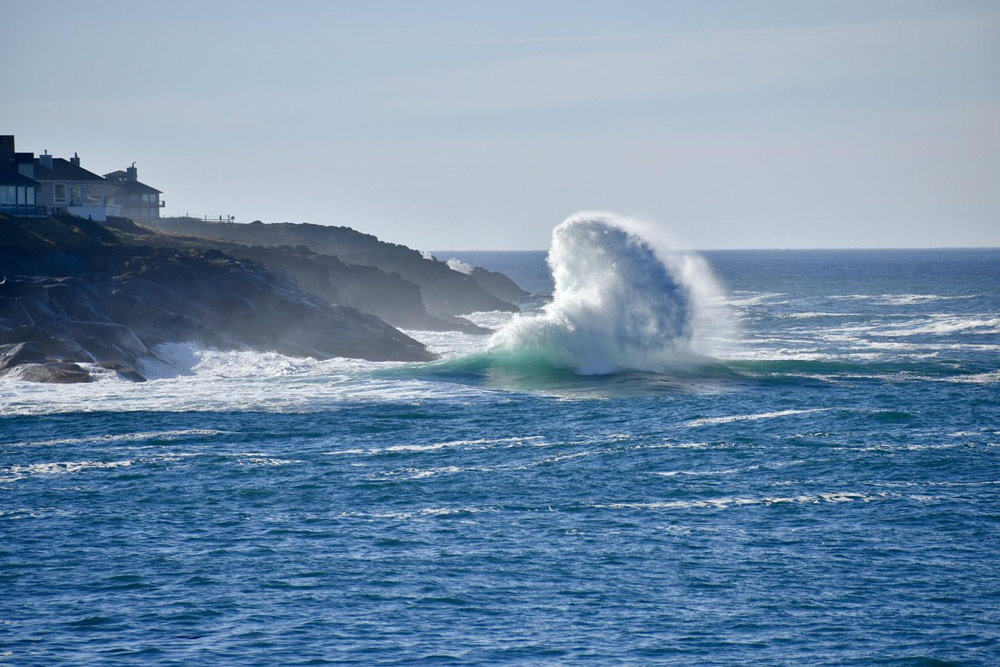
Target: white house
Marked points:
66	186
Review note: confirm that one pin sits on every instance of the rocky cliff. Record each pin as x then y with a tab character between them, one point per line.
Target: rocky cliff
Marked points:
75	291
368	288
445	293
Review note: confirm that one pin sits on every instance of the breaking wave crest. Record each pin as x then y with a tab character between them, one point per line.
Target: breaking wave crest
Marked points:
621	303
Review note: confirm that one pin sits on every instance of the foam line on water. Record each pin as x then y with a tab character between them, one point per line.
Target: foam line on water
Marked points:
755	417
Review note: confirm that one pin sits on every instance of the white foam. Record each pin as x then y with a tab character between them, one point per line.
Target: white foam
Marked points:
754	417
416	515
456	264
263	460
124	437
477	443
940	324
742	298
992	377
705	473
902	299
419	473
728	502
917	299
808	315
200	379
18	472
620	303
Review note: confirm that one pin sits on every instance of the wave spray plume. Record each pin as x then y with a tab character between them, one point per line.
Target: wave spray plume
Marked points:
620	304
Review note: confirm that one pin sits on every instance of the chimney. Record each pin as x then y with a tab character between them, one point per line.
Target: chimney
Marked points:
6	152
75	160
45	160
132	173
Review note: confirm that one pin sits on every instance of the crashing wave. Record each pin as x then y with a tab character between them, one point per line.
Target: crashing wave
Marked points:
455	264
621	303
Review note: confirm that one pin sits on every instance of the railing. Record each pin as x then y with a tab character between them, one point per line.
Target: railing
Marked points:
23	209
210	218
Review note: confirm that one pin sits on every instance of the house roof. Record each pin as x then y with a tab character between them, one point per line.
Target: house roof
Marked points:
16	178
63	170
136	187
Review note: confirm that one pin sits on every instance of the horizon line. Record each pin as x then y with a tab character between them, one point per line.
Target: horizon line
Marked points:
839	248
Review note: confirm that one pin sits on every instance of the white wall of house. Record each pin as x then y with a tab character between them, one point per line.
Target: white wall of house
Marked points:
99	213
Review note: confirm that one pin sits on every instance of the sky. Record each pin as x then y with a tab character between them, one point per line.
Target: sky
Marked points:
474	125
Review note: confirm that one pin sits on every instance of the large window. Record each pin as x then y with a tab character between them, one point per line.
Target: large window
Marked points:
59	193
8	195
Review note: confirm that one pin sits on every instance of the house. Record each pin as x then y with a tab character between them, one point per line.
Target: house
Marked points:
18	192
66	186
32	185
137	200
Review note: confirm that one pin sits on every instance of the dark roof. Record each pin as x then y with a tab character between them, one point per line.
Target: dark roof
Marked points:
116	176
16	178
135	187
63	170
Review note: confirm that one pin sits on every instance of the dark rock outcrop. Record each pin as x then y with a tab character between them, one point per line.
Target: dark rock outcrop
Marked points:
121	371
60	372
72	291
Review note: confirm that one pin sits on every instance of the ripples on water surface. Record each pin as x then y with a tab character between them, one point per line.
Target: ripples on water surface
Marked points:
828	493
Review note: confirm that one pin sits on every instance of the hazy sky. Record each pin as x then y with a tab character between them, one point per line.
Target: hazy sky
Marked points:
475	125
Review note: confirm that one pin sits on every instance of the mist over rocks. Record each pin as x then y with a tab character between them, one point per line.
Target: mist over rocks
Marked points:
73	291
387	295
445	292
499	285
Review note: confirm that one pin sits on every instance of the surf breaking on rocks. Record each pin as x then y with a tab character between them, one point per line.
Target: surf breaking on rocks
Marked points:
622	302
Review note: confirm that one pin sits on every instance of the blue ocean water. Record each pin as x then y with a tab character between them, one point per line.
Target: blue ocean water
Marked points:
828	493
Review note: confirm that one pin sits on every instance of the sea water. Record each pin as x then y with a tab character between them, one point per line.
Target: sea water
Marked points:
808	474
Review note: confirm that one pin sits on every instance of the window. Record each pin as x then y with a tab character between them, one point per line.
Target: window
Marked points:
59	193
75	198
31	196
7	195
92	195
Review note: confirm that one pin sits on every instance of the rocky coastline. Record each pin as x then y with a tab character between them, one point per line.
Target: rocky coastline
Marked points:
445	293
77	295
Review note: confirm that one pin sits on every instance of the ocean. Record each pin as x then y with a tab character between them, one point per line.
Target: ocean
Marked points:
819	485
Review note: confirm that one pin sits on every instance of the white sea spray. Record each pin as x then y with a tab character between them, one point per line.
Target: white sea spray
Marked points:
622	301
456	264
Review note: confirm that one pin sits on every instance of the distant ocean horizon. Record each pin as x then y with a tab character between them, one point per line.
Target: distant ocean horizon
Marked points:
820	487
